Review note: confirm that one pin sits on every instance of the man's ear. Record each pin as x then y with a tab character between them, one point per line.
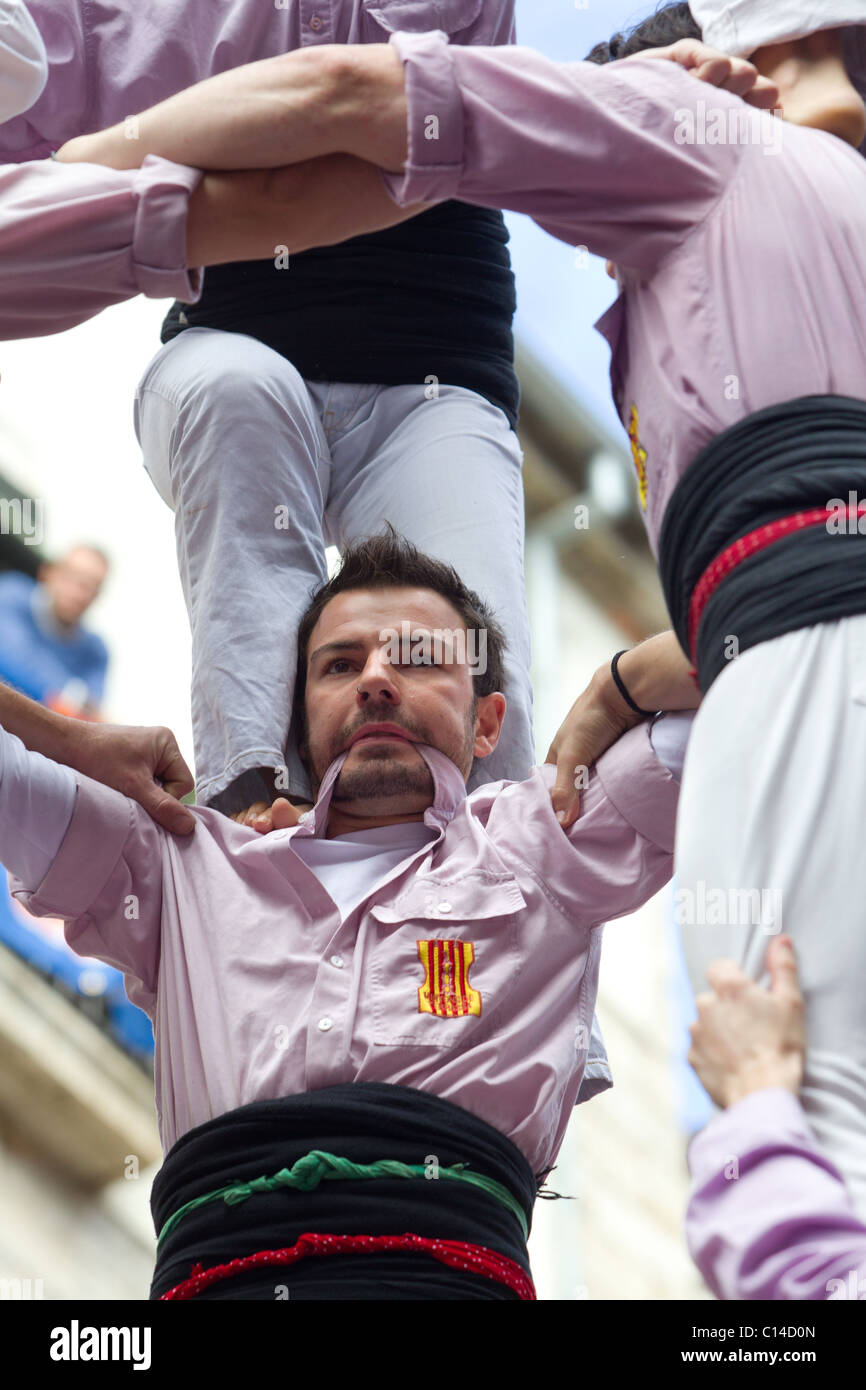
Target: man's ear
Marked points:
489	715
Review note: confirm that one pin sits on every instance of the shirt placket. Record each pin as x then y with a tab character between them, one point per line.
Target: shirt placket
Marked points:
317	22
331	1020
335	1002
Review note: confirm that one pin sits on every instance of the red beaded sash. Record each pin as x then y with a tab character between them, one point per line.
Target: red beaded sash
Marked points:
477	1259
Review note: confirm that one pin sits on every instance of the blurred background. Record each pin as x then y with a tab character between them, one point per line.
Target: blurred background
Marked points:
78	1140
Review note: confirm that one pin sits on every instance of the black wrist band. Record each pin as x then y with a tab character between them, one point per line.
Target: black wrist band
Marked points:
646	713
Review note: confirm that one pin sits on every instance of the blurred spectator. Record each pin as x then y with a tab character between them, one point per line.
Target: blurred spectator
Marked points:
45	650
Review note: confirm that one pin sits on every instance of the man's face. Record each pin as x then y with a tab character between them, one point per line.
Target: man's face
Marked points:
74	583
360	678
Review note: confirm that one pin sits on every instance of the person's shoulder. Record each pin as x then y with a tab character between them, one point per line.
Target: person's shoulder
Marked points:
14	585
93	644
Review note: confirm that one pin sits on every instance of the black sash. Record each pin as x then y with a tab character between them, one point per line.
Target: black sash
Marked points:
364	1122
431	300
805	454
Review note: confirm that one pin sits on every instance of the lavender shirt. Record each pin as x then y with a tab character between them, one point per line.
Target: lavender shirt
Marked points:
769	1216
742	264
259	987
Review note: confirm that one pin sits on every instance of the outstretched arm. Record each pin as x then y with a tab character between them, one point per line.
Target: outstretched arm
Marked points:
657	676
145	764
328	99
769	1215
247	215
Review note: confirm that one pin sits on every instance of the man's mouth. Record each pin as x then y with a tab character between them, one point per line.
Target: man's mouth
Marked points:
379	731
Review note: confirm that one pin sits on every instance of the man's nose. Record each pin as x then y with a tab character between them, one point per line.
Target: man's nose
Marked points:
377	681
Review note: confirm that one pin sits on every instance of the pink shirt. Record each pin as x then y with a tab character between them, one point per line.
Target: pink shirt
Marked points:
257	987
742	262
769	1215
75	238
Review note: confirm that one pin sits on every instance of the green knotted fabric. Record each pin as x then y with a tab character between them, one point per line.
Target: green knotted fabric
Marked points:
318	1166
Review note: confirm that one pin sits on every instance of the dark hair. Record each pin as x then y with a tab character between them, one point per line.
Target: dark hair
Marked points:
669	24
389	561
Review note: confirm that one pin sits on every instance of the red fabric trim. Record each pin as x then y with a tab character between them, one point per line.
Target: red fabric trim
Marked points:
744	548
455	1253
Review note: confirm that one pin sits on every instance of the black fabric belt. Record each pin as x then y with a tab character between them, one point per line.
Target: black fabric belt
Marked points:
365	1122
807	453
430	299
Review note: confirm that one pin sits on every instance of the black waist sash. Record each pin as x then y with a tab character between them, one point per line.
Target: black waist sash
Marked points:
364	1122
430	300
808	453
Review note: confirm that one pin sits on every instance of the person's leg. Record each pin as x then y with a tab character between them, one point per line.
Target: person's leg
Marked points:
447	474
234	445
773	804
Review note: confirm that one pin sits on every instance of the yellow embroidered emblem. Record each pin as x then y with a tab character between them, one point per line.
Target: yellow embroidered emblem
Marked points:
638	454
446	990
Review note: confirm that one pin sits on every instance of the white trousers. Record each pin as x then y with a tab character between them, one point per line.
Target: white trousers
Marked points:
771	837
263	470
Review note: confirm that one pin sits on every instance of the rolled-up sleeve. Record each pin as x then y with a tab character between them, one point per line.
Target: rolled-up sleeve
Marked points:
769	1215
105	881
619	851
76	238
37	797
605	156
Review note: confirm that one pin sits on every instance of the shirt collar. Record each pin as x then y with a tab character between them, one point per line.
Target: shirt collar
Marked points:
448	783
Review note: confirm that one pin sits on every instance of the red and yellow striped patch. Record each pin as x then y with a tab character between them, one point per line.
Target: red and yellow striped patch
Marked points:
639	455
446	990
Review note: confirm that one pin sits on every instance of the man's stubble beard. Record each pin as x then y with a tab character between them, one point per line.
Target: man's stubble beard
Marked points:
380	777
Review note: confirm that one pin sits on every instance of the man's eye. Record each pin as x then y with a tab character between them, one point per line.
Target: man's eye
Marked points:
338	661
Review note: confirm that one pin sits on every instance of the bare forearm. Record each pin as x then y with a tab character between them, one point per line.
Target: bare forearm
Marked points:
657	676
38	728
296	107
260	214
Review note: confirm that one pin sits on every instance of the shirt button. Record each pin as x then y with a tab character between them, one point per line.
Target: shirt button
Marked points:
316	22
337	961
444	907
325	1024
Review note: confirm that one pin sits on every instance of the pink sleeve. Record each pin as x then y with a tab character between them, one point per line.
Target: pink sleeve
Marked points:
606	157
75	238
618	853
769	1215
106	882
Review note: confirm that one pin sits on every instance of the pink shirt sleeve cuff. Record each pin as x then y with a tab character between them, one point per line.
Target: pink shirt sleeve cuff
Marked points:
93	844
771	1115
435	123
159	239
640	787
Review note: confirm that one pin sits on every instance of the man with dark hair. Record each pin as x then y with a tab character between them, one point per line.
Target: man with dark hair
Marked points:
43	640
400	987
739	359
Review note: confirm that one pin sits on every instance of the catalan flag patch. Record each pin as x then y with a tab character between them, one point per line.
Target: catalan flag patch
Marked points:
446	990
639	454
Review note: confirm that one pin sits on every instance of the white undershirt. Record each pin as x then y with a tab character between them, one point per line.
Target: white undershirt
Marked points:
350	866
